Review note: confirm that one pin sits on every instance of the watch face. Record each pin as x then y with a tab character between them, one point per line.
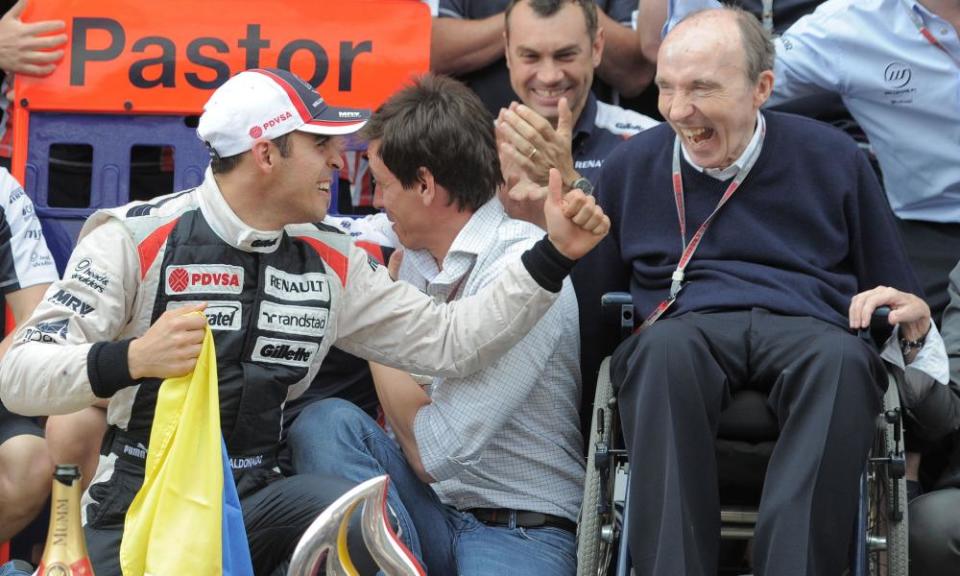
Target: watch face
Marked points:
583	184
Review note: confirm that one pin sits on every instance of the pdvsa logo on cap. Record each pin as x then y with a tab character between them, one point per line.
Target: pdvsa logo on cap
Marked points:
256	132
280	118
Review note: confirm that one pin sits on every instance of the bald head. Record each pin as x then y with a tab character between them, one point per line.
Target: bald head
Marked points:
714	73
728	28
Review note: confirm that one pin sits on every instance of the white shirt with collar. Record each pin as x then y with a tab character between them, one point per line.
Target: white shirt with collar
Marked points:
527	403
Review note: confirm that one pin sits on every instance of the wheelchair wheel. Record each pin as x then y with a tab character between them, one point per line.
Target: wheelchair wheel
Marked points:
887	493
593	552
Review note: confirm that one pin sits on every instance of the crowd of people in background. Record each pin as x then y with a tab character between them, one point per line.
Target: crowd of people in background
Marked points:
461	333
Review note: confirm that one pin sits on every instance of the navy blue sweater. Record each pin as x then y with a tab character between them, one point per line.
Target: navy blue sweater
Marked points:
808	229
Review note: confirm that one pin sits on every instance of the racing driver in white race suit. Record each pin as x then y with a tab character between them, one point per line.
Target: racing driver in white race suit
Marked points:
277	295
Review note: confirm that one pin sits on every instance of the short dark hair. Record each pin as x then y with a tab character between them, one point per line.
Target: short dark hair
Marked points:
220	165
439	124
547	8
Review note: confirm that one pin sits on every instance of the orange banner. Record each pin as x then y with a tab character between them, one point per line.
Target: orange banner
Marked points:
166	57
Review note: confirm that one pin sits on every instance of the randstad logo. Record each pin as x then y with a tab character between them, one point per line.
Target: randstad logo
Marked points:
302	320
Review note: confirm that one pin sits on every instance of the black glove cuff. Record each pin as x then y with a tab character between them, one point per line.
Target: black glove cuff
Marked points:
547	265
108	368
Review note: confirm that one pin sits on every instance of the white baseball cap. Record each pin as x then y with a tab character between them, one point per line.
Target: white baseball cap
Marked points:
268	103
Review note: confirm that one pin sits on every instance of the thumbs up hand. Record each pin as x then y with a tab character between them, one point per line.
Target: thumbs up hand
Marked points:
575	224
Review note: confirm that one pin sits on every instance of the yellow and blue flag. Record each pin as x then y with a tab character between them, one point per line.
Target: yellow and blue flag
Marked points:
186	518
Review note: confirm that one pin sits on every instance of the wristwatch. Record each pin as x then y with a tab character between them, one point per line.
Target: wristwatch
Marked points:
583	184
907	346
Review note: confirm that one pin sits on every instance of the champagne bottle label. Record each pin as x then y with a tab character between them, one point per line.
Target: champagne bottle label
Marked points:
81	567
65	553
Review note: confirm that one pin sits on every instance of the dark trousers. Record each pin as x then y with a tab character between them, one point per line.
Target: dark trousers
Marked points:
824	385
275	518
934	250
935	533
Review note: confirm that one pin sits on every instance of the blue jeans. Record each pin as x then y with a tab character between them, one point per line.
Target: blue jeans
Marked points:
334	436
16	568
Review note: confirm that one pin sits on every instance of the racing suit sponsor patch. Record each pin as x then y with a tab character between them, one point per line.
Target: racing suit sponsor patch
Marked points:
221	315
203	279
293	319
38	260
138	451
309	286
288	352
245	462
85	273
71	302
46	331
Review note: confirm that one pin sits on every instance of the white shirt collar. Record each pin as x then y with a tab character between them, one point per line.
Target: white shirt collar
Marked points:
228	226
420	269
731	170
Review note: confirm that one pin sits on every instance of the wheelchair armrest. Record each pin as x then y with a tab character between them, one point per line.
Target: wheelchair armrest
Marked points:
880	328
616	311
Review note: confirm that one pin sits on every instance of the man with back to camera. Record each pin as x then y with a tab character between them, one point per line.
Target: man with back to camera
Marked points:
235	241
487	469
774	244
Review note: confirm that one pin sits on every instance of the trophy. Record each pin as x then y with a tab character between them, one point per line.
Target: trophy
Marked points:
325	541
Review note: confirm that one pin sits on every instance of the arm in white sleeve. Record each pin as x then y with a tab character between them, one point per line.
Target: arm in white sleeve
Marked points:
46	369
395	324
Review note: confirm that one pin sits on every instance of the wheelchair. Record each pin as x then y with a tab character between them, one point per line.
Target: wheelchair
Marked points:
747	434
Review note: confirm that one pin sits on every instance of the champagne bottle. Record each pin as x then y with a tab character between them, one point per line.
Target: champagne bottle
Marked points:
65	553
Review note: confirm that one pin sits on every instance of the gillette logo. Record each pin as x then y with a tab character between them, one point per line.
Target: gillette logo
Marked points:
287	352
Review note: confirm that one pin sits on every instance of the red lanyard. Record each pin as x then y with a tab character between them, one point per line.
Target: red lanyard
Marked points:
688	249
926	33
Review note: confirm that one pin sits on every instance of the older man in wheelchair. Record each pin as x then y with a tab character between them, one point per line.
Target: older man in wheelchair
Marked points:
752	277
